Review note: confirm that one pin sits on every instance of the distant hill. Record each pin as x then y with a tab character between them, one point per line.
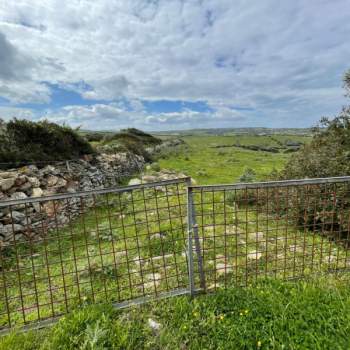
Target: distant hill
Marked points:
235	131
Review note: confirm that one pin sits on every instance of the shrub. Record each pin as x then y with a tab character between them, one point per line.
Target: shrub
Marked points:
248	175
327	155
26	141
155	166
130	140
94	136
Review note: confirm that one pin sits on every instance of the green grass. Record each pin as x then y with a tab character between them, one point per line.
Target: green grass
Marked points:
268	315
209	165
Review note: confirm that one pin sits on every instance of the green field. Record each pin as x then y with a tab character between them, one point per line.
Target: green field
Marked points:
208	165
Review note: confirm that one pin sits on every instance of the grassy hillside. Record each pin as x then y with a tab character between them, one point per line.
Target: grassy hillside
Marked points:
268	315
208	163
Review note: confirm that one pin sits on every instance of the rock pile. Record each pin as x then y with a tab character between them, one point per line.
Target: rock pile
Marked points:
28	219
162	175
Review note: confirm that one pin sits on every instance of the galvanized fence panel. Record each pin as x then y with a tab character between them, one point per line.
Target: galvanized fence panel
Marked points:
286	229
131	244
118	245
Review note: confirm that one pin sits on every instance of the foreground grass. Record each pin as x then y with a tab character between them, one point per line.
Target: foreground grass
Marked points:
269	315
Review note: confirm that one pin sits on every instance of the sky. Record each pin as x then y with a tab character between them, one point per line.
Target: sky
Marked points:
173	64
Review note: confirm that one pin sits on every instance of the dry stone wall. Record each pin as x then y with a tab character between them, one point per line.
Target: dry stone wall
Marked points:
25	221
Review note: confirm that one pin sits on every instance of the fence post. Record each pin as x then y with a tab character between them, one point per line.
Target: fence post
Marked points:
193	234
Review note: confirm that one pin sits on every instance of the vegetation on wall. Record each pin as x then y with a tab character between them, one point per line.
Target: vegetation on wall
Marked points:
23	141
130	140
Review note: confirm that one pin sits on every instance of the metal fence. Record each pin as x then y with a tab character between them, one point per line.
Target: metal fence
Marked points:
131	244
285	229
112	245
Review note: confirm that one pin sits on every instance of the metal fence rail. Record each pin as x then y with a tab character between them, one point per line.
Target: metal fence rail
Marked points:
131	244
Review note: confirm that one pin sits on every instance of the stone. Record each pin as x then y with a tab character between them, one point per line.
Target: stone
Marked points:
20	180
233	230
17	217
155	236
50	191
52	180
214	286
26	187
37	192
256	236
7	183
161	257
34	181
8	174
155	326
296	248
8	230
18	195
254	255
223	268
150	285
154	277
134	181
29	169
61	182
48	169
149	178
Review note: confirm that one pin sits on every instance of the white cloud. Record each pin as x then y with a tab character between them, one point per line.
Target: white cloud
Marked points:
283	58
117	116
7	113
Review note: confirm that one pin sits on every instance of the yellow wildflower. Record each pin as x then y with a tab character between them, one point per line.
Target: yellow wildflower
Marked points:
258	344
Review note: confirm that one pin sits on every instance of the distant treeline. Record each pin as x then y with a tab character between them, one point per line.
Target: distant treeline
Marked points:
261	148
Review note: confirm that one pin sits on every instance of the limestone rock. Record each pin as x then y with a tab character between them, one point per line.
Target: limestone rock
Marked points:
256	236
8	174
134	181
52	180
254	255
7	183
223	268
155	326
37	192
34	181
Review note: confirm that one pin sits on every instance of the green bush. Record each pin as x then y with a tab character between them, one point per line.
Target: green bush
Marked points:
155	166
25	141
327	155
248	175
130	140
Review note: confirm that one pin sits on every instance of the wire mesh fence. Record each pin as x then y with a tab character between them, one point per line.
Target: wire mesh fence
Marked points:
129	244
99	246
288	230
